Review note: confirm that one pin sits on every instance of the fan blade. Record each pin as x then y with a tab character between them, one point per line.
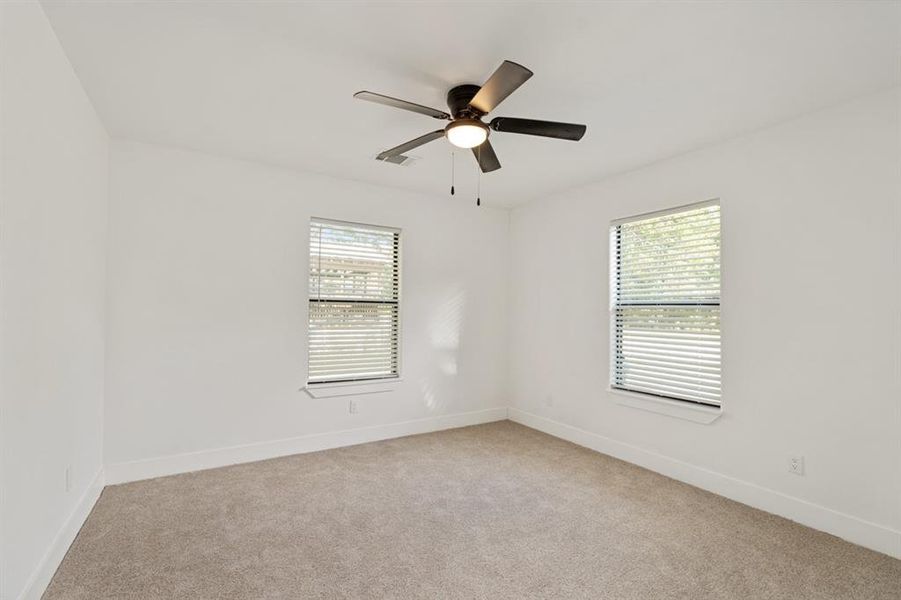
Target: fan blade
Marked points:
423	139
503	82
562	131
488	161
397	103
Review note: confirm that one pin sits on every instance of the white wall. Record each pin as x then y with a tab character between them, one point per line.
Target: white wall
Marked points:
208	308
811	303
53	192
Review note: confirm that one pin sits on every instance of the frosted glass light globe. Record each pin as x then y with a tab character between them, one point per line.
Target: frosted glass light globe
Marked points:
466	133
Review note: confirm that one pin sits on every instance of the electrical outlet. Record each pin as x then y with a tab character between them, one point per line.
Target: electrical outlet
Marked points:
69	478
796	465
352	407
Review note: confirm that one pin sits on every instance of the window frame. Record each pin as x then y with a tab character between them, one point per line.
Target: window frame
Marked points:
368	384
693	410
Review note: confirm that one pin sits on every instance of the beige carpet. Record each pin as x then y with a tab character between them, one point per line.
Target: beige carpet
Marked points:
493	511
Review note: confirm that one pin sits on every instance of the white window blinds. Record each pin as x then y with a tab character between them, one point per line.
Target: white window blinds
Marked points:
666	304
354	301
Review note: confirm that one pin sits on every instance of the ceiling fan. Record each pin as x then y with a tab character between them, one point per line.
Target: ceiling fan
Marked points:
468	104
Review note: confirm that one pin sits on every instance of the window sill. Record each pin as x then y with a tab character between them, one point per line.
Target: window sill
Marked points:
671	408
350	388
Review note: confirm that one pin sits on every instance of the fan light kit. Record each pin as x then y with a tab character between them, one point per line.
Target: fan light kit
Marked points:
468	104
466	133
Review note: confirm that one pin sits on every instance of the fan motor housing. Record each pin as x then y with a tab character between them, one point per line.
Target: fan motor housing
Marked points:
458	99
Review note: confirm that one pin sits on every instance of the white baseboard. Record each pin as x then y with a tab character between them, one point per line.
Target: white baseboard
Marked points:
43	573
222	457
864	533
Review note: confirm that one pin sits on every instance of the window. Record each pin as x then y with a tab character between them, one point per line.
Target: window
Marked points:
354	302
665	282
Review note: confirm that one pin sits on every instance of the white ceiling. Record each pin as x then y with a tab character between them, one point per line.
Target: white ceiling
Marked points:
273	81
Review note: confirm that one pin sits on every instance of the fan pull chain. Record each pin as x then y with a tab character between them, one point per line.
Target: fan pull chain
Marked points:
479	181
453	167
